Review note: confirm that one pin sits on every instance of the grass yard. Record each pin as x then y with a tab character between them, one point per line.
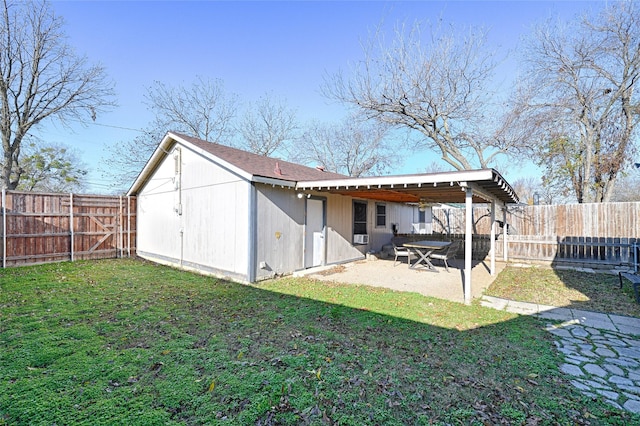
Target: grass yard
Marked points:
566	288
133	343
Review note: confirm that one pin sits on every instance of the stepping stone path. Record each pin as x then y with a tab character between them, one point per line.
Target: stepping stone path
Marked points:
601	363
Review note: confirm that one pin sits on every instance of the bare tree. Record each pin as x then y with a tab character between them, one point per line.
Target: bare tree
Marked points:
51	168
41	77
353	147
267	126
203	110
126	159
578	99
437	85
628	188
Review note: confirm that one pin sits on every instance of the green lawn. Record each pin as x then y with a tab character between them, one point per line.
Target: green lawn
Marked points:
557	287
128	342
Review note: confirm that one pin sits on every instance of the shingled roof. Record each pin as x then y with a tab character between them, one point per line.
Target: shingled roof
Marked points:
487	184
259	165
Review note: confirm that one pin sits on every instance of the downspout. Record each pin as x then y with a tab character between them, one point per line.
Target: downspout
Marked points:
177	158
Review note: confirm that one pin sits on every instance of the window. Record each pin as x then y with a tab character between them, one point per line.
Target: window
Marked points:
381	215
359	217
422	216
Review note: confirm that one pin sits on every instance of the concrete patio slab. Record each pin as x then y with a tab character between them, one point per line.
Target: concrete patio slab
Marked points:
440	284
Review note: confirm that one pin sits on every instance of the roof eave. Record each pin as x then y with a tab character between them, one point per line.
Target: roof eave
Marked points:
462	178
466	175
153	162
162	151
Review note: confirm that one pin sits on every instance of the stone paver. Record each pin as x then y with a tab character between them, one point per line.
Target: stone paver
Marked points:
601	352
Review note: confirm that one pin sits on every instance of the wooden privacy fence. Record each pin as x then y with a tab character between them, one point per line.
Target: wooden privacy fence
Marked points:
599	233
40	228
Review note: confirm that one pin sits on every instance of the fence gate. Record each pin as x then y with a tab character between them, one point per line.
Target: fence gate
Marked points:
39	228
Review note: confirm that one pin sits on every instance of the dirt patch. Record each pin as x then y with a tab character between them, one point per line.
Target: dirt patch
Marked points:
335	270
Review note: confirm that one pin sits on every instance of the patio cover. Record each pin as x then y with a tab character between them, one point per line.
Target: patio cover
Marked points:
468	186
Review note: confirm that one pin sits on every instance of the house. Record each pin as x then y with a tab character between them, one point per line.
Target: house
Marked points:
234	214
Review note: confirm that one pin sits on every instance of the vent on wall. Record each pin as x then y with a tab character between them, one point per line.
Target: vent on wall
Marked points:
360	239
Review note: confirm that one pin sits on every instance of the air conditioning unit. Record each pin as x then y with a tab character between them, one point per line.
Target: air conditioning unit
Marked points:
360	239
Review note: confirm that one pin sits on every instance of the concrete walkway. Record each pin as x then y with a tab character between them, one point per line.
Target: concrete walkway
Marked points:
601	351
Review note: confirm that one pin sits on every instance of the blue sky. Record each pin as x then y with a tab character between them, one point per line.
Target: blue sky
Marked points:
284	48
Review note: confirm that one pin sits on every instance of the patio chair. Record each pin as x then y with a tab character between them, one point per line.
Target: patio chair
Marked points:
400	251
447	254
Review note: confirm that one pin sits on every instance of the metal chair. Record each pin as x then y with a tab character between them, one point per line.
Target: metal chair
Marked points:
447	254
401	252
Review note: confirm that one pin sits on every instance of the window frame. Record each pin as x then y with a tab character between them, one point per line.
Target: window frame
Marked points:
383	215
357	224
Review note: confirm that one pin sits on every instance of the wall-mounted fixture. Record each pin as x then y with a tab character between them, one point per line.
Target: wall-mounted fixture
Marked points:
302	195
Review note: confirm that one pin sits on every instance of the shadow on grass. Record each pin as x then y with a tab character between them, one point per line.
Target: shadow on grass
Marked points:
131	342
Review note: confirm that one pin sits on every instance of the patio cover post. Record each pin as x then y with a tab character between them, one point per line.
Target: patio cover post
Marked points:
504	234
492	235
468	241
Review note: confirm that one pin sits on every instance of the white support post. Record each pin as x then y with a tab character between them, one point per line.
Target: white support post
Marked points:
505	246
71	229
493	238
4	228
468	244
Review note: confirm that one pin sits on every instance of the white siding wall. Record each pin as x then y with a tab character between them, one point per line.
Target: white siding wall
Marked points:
280	228
340	230
158	224
340	226
214	220
405	217
400	214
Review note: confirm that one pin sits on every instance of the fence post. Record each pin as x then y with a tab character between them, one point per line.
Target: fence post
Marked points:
128	226
120	250
71	229
4	228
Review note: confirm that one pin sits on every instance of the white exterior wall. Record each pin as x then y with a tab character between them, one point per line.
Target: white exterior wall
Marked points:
340	227
158	224
280	231
212	233
340	230
399	214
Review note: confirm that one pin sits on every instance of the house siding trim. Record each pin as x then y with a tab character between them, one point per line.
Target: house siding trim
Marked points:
252	218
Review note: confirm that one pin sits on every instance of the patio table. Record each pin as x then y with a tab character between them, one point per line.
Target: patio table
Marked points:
423	250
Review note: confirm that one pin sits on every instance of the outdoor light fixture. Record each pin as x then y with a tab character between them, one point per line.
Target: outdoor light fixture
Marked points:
301	195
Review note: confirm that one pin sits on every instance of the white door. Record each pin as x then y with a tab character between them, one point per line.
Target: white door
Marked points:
314	234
